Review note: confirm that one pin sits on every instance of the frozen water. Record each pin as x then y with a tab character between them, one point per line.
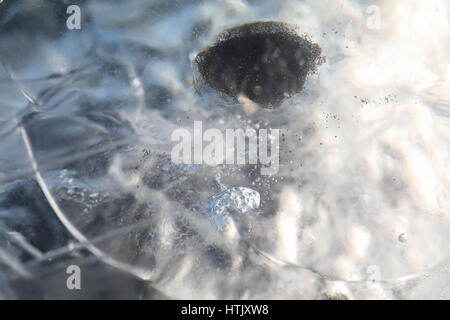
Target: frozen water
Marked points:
364	154
238	200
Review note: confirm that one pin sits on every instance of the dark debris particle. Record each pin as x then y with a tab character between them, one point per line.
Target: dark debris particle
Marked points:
264	61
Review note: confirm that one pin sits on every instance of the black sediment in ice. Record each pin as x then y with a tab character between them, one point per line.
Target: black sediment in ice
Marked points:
263	61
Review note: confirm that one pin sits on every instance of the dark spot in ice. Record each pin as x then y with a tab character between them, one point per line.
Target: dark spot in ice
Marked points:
25	209
264	61
218	257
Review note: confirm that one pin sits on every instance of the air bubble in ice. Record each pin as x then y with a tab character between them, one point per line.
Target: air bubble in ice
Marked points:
402	238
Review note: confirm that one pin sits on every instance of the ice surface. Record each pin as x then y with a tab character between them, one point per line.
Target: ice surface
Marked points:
238	200
362	190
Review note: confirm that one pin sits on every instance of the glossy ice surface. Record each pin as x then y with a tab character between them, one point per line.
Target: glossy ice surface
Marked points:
359	207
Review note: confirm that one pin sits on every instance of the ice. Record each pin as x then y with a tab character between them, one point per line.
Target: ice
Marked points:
237	200
364	164
67	185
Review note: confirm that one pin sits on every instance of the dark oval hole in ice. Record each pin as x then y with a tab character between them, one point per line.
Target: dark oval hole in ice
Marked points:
264	61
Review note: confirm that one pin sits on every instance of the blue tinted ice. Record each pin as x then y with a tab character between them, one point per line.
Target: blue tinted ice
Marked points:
234	200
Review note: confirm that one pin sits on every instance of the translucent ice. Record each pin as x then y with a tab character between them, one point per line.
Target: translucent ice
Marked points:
234	200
